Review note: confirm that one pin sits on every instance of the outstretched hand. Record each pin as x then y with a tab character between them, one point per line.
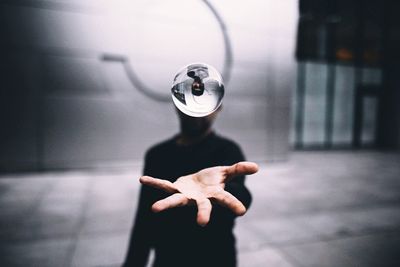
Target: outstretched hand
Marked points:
201	187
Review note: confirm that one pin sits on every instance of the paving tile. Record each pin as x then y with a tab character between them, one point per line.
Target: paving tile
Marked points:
354	222
61	207
327	224
112	195
71	187
373	220
319	254
248	238
51	228
14	204
108	222
28	185
37	228
100	250
263	257
101	206
371	250
284	231
13	230
43	253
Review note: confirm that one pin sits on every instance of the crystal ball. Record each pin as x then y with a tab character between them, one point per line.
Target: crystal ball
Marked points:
197	89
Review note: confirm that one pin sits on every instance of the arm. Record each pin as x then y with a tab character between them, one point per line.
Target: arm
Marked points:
236	186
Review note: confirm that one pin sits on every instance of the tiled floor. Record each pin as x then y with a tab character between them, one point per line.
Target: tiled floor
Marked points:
318	209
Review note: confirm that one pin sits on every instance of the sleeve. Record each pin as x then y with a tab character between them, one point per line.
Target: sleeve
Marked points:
140	240
220	215
236	186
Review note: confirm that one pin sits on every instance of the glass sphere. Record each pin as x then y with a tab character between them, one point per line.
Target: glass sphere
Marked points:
197	90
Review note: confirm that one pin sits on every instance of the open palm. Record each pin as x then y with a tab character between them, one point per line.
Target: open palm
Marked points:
201	187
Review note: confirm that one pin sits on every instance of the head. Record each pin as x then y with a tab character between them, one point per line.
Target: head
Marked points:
196	126
197	89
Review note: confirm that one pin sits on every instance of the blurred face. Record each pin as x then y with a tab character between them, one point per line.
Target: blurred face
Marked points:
193	127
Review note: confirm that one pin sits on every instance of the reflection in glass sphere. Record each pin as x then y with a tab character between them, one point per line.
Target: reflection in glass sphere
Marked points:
197	90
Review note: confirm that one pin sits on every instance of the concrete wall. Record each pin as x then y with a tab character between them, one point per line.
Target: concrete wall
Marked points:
63	105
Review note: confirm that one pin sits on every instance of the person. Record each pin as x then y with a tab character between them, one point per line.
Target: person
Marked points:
192	190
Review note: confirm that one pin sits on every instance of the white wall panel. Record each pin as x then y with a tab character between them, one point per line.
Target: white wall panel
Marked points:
92	113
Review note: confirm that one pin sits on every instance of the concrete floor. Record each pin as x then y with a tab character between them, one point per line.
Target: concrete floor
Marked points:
318	209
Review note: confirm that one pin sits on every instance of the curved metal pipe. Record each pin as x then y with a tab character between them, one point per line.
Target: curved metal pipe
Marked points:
153	94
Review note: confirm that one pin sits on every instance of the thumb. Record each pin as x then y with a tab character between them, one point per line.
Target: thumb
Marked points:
241	168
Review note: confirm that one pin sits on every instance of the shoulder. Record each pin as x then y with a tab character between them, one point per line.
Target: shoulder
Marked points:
160	147
227	142
229	147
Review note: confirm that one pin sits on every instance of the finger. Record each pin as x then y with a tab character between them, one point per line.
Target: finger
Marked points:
203	211
175	200
158	183
241	168
229	201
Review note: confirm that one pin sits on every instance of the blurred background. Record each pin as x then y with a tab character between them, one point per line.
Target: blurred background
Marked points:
312	95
